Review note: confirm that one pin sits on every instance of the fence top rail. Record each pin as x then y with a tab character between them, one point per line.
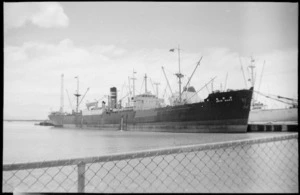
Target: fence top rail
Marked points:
145	153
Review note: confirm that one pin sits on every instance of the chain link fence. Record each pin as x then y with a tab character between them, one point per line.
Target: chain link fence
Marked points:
256	165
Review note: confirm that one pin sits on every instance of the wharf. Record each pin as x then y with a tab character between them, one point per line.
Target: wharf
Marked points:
273	126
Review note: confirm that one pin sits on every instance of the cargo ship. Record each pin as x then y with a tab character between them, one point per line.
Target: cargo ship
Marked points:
220	112
260	114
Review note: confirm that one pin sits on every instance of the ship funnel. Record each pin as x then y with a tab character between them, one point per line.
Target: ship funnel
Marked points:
113	97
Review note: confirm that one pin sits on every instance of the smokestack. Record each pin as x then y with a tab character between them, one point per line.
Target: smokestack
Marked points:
120	104
103	105
113	97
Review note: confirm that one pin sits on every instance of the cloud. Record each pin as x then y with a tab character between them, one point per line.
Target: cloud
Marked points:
32	72
42	14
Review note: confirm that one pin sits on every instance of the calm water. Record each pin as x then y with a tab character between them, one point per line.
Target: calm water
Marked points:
25	142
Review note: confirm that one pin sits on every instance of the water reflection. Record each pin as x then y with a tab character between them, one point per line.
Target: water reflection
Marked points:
25	142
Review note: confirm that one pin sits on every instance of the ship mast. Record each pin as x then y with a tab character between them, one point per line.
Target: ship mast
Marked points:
179	75
198	63
251	66
62	94
133	79
145	83
77	93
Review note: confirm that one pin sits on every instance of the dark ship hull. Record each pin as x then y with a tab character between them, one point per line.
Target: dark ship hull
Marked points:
222	112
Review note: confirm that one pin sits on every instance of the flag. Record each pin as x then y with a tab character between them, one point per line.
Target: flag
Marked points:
172	50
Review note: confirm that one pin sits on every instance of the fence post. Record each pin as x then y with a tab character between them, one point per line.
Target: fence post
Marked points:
81	176
121	123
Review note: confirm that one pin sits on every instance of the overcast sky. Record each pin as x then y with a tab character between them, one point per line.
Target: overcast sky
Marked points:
102	42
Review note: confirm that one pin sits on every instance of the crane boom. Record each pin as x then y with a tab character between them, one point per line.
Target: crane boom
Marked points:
277	98
203	87
291	99
226	81
83	96
198	63
167	80
243	72
70	103
261	75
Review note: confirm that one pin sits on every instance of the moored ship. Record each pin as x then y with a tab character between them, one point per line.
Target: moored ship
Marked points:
220	112
261	115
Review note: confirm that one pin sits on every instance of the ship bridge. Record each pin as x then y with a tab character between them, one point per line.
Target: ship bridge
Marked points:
146	101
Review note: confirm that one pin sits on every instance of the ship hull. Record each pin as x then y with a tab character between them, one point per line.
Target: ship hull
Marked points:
225	112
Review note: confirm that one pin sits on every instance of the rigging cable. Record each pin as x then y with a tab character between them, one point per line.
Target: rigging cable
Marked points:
261	75
198	63
142	86
243	72
70	103
202	87
152	84
268	96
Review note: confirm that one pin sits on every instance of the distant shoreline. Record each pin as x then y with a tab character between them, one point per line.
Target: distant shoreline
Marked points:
19	120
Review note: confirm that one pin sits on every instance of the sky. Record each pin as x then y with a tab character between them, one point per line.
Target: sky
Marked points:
103	42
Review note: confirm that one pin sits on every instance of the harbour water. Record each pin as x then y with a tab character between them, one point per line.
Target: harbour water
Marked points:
25	142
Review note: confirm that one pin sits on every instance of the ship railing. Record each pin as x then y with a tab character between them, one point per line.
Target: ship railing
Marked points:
266	164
